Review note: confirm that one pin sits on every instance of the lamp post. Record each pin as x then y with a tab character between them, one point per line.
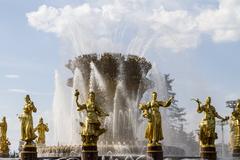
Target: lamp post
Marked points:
231	104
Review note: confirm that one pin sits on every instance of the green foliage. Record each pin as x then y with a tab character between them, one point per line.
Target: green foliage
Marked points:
177	119
176	113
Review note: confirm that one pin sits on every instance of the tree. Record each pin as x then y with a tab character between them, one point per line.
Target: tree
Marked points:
176	113
177	120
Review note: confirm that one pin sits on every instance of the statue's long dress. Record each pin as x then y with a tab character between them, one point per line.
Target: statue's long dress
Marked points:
23	124
207	126
29	128
3	133
27	124
92	122
157	132
237	138
149	131
236	126
154	129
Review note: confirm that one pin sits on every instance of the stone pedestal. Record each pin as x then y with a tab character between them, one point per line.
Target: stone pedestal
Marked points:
236	152
4	155
154	152
89	153
208	153
29	152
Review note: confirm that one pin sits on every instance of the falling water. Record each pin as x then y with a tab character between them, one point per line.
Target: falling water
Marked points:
77	117
116	99
61	112
96	79
92	81
160	85
125	124
78	83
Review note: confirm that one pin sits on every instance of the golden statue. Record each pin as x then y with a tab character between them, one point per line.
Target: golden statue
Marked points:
235	126
27	130
207	134
151	111
4	149
4	143
41	129
3	128
91	127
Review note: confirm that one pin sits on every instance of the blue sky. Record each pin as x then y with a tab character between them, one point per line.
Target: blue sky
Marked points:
202	63
29	55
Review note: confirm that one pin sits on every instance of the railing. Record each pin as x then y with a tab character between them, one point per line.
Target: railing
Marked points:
143	157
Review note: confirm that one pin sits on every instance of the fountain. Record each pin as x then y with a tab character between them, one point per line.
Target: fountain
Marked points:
119	82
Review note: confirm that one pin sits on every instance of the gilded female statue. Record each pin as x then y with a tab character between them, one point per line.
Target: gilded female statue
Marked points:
3	128
151	111
4	142
207	133
27	130
91	128
4	146
41	130
235	126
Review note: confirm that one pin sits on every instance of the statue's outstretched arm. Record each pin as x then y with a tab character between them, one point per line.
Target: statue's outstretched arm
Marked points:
220	117
166	103
20	117
34	109
80	107
46	128
200	108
